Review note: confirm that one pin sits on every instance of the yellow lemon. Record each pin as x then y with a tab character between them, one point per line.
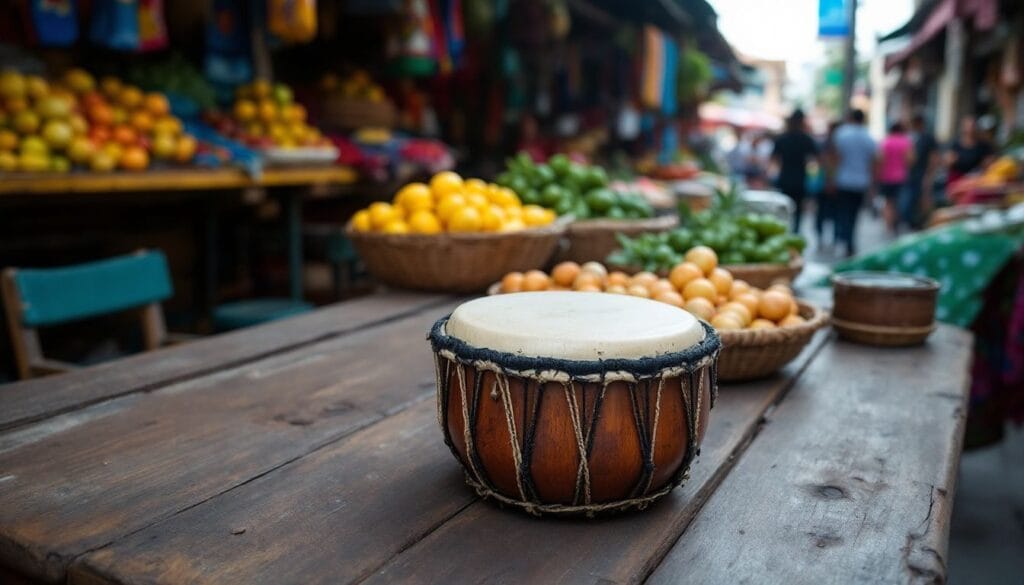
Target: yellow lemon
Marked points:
382	213
419	200
504	197
475	186
396	226
424	222
492	217
361	221
413	192
478	200
449	205
551	215
465	219
513	225
445	182
513	212
535	215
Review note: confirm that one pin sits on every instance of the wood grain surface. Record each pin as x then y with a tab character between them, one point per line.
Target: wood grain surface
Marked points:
39	398
851	480
79	481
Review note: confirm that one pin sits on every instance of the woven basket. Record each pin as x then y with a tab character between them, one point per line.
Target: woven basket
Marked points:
459	263
594	239
754	353
765	275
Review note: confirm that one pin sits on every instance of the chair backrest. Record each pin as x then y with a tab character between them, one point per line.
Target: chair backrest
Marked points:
51	296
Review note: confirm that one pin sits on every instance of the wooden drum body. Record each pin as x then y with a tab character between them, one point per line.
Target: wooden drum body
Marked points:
556	435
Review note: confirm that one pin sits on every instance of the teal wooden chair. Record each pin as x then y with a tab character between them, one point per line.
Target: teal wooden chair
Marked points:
35	298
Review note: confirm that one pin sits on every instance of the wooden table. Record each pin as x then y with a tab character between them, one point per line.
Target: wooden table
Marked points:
308	451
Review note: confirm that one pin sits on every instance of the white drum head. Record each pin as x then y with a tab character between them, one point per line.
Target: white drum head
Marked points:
575	325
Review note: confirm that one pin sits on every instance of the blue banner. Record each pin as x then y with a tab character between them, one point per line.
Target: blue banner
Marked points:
832	18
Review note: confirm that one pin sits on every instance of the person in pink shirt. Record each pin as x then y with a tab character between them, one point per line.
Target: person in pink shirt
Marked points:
896	154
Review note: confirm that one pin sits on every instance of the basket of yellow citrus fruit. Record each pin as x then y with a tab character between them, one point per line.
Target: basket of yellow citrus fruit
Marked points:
453	235
761	330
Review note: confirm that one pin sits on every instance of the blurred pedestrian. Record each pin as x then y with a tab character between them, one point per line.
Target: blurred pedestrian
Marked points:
826	204
794	148
895	157
970	152
855	152
917	197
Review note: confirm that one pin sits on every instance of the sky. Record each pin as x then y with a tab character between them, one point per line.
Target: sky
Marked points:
787	30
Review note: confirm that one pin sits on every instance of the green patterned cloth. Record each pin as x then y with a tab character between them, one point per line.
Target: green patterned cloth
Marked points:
964	263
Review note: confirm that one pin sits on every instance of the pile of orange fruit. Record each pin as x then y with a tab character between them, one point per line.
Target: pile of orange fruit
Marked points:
48	126
698	285
267	116
451	204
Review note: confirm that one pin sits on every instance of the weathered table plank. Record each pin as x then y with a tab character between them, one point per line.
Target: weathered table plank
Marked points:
39	398
483	535
78	481
330	517
851	480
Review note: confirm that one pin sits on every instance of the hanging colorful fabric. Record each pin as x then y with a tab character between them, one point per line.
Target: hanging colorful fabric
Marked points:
115	24
652	73
669	74
451	16
56	22
292	20
152	28
227	61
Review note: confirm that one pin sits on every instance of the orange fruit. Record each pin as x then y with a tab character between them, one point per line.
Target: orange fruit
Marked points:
700	287
167	125
700	307
761	324
704	257
111	86
130	97
671	298
134	158
683	273
141	121
615	289
774	305
750	300
565	273
726	321
125	135
738	287
78	124
586	279
595	268
617	277
589	288
794	309
156	104
722	280
445	182
638	290
781	288
102	161
186	148
465	219
740	310
721	300
535	280
791	320
8	140
118	115
266	110
659	286
15	105
644	279
512	282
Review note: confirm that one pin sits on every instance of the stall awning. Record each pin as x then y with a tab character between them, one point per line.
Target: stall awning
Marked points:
934	24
